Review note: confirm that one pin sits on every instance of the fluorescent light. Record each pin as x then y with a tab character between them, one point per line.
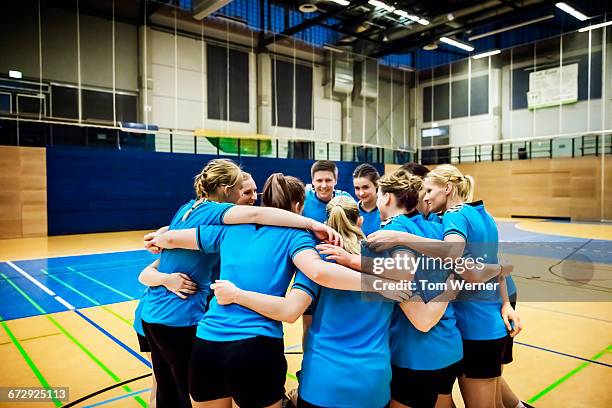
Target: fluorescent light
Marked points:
401	13
510	27
594	26
423	21
333	49
486	54
380	4
406	68
414	18
15	74
457	44
571	11
341	2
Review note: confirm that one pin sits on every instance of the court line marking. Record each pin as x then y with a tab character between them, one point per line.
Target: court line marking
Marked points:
101	252
70	268
116	340
31	279
23	340
84	349
108	401
88	320
567	376
83	295
41	378
592	361
566	313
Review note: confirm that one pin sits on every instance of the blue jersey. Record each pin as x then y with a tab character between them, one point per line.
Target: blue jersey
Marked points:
479	206
346	359
371	220
164	307
434	217
314	208
254	258
477	312
411	348
138	318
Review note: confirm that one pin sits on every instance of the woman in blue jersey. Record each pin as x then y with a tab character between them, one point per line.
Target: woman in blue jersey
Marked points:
365	182
239	354
426	347
471	233
425	356
169	317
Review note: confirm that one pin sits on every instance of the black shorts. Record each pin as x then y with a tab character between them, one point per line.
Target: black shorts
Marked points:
483	358
304	404
143	343
508	358
420	388
251	371
308	311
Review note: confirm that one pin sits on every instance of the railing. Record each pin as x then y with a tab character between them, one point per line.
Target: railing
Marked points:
40	133
561	146
32	132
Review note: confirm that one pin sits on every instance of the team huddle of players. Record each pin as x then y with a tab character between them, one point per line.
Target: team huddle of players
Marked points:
229	273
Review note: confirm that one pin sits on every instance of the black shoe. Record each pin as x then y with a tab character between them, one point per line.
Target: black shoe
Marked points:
527	405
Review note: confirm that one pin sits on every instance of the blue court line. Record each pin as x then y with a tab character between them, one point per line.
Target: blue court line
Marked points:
113	338
565	354
108	401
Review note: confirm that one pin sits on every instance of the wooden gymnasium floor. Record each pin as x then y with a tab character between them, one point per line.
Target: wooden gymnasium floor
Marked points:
67	310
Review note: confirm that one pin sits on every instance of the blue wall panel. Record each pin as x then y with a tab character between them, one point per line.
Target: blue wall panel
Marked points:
91	190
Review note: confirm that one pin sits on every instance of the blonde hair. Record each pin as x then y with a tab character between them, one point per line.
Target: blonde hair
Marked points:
463	185
216	174
404	186
246	176
342	215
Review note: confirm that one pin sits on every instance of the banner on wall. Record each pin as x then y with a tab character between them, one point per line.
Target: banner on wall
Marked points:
553	87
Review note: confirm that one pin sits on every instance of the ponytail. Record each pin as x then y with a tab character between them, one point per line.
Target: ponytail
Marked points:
282	191
342	216
404	186
463	185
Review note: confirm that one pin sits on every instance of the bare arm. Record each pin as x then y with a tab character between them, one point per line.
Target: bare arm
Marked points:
247	214
284	309
178	283
424	316
185	238
386	239
336	276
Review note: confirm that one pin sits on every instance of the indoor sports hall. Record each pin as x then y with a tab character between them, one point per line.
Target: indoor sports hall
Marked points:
109	108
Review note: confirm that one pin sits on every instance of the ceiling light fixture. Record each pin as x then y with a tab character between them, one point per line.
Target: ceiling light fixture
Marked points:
571	11
458	44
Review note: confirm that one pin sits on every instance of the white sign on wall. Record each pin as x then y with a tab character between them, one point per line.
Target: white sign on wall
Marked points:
552	87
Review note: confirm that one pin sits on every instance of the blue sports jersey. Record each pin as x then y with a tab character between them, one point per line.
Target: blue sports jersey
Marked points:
439	347
314	208
477	312
371	220
434	217
137	316
346	357
164	307
254	258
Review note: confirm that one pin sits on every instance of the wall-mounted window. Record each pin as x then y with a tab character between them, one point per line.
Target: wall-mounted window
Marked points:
441	99
284	76
227	83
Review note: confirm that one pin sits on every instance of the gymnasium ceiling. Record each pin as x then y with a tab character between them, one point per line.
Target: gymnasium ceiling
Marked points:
411	34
